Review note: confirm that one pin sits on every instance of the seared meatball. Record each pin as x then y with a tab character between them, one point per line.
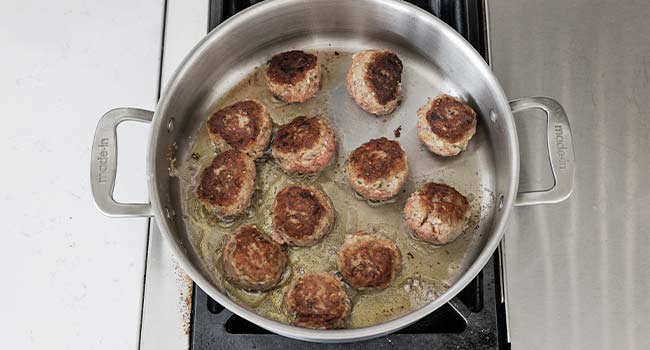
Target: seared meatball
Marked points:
302	215
366	261
445	125
437	213
252	261
317	300
227	184
375	81
244	126
293	76
377	170
304	145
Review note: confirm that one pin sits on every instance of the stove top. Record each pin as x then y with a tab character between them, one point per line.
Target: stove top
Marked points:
475	319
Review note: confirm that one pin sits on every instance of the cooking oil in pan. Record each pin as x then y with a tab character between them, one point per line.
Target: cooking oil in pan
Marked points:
426	271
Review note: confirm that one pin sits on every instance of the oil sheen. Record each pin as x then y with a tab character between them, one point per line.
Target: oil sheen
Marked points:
426	270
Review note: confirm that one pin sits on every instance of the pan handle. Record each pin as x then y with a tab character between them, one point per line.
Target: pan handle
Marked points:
560	150
103	164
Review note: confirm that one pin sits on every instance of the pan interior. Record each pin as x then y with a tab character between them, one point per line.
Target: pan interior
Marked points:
431	269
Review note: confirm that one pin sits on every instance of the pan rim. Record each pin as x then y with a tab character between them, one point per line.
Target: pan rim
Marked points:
342	335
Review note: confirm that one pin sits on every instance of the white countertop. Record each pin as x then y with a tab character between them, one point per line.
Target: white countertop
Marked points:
72	278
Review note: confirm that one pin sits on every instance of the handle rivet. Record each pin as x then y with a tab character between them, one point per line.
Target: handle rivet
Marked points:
169	213
500	205
170	125
493	116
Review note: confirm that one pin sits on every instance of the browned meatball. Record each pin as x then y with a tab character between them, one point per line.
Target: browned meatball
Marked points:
445	125
378	169
244	126
305	145
302	215
252	261
366	261
317	300
375	81
227	184
437	213
293	76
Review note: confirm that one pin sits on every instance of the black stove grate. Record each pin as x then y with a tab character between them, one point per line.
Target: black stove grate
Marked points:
472	320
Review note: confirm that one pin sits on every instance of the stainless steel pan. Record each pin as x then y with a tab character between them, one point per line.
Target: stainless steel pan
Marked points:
436	59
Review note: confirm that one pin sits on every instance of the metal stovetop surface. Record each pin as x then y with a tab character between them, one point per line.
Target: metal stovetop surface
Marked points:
578	273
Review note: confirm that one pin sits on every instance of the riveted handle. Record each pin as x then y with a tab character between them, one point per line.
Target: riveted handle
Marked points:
103	164
560	150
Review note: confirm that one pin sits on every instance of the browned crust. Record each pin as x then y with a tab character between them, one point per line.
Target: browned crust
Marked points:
369	262
290	67
450	118
317	300
444	200
377	159
301	133
252	261
225	123
223	188
297	212
384	76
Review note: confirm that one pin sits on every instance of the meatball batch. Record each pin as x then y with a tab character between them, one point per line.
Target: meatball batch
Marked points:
375	81
377	169
252	261
437	213
304	145
445	125
244	126
227	184
302	216
368	262
318	301
293	76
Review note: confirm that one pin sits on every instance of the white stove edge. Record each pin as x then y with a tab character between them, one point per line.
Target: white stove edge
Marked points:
167	300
